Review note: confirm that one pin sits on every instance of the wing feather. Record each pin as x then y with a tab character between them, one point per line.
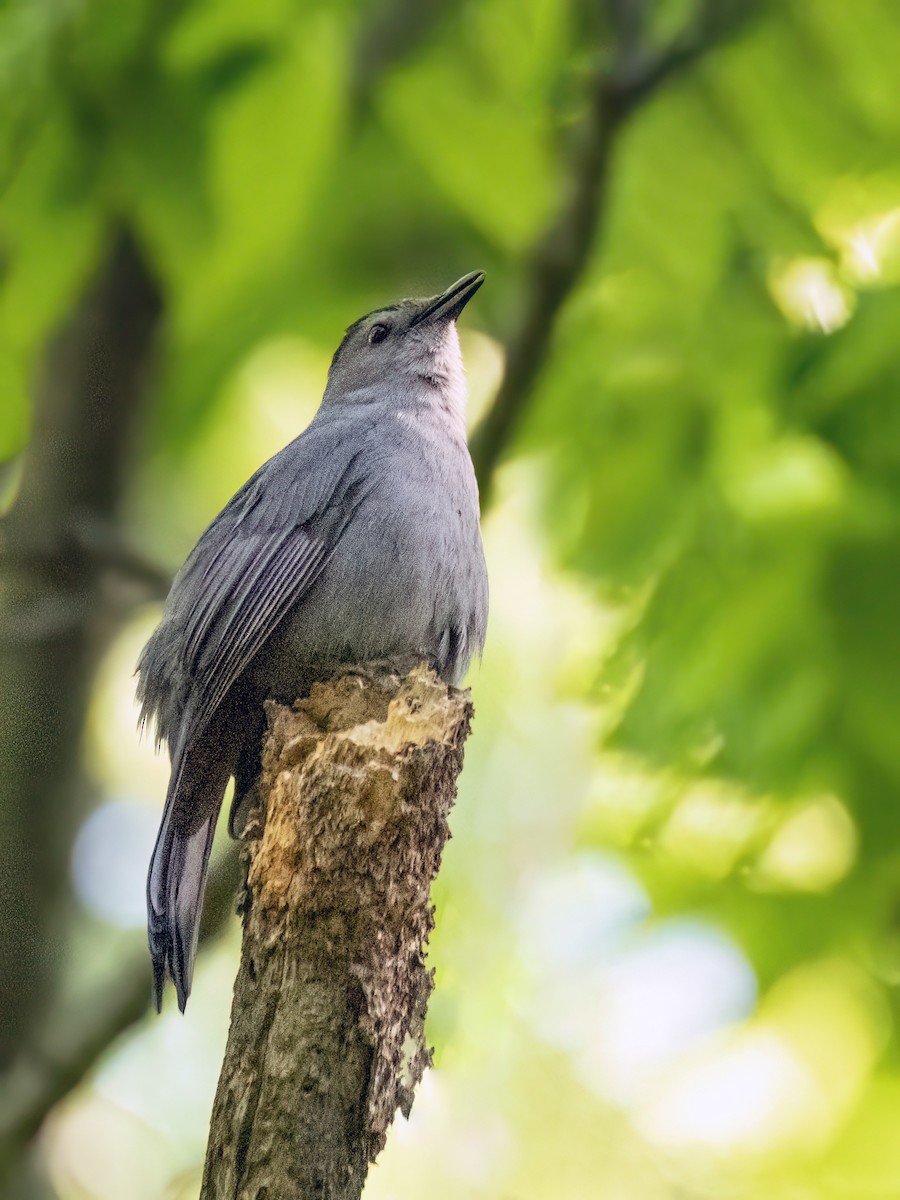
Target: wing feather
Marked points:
248	571
279	578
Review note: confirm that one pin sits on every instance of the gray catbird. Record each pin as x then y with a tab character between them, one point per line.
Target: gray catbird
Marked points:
358	542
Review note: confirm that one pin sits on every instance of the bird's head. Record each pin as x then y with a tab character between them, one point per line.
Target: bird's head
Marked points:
405	350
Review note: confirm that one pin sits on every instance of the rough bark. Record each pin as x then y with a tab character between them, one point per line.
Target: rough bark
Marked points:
327	1023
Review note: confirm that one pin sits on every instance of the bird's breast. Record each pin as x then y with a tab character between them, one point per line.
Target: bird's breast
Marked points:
407	574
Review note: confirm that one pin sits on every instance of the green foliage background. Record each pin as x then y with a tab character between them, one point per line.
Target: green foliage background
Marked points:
691	685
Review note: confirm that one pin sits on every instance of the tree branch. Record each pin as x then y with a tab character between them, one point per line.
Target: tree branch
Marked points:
392	32
110	550
327	1024
561	255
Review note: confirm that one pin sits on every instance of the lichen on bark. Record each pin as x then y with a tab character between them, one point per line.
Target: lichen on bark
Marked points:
327	1027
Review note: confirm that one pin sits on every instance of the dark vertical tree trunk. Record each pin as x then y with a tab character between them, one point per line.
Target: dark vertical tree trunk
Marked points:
55	617
327	1023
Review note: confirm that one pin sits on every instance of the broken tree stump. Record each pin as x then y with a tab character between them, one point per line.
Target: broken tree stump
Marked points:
327	1022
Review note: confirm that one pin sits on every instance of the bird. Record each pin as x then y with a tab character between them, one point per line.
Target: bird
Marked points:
358	542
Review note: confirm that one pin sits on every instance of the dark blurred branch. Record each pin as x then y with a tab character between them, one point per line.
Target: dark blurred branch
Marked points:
561	255
391	33
56	616
73	1041
108	547
638	73
94	543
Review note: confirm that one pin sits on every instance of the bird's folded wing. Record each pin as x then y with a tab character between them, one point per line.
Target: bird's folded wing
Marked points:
274	574
251	568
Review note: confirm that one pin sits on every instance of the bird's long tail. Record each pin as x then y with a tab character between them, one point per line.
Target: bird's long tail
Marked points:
178	867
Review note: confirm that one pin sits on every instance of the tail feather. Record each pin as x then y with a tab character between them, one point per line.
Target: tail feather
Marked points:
177	877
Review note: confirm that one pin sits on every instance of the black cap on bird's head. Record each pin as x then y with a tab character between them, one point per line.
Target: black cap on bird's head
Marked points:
412	338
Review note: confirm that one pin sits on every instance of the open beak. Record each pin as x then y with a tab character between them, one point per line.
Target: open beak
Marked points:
450	304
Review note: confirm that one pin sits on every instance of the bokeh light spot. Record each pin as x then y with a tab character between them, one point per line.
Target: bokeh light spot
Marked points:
810	294
109	861
813	849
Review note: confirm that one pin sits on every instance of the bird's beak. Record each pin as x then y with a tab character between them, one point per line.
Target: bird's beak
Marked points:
450	304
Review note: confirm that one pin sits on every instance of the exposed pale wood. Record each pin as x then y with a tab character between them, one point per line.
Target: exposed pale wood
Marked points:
326	1038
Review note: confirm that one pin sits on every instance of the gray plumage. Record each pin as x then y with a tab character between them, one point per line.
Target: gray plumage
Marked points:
359	541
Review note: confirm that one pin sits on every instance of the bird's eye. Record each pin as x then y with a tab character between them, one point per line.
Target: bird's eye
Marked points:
378	333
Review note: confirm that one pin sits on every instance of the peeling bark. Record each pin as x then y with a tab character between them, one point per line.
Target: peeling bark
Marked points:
327	1023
